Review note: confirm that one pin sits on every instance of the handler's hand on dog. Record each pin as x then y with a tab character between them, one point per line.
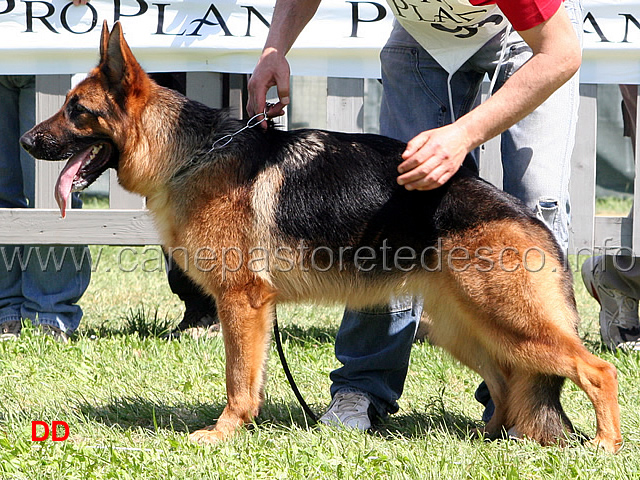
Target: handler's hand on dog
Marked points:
432	158
272	69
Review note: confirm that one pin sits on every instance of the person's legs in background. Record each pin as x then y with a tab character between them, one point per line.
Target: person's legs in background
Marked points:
40	283
200	317
11	196
614	281
536	156
55	279
374	345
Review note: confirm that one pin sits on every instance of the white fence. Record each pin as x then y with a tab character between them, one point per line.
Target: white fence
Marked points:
351	105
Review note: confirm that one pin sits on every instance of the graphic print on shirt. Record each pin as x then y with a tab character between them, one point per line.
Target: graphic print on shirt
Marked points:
450	30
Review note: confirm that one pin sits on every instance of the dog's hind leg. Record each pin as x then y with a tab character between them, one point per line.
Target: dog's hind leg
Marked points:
520	304
598	379
539	359
535	405
449	329
498	385
545	346
528	398
246	318
534	408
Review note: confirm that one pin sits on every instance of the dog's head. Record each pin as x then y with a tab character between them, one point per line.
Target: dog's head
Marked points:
91	129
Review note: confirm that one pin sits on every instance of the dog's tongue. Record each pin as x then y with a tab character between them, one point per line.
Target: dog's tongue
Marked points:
65	182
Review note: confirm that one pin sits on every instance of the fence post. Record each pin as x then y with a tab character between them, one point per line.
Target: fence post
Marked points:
582	187
489	156
119	198
636	188
50	95
205	87
237	91
345	101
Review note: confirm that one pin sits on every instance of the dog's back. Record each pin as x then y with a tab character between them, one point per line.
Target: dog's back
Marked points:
329	204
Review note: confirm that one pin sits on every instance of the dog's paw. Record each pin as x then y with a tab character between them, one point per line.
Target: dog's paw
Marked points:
607	444
207	435
476	433
482	433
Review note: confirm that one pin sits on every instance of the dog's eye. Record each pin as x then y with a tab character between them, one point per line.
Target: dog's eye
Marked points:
78	108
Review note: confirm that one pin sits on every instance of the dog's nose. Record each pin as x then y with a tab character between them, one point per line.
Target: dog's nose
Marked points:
27	142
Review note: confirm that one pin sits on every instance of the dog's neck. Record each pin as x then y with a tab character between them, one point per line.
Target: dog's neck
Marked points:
176	136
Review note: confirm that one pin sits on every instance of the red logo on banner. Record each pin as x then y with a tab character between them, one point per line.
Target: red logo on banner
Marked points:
56	435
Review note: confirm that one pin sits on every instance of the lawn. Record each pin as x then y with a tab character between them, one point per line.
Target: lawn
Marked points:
130	398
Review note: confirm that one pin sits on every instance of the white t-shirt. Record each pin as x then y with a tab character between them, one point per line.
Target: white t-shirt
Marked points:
450	30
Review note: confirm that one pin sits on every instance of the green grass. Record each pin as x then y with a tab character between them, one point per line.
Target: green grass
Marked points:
130	398
93	202
613	206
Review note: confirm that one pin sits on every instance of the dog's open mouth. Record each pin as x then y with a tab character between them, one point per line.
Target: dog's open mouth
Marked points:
81	170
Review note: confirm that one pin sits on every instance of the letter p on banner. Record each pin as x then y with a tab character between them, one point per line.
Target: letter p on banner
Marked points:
34	431
54	433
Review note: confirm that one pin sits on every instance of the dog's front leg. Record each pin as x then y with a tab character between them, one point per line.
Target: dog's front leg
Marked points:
246	318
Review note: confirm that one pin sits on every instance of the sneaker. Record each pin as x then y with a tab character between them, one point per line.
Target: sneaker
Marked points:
196	324
349	409
619	322
54	332
10	330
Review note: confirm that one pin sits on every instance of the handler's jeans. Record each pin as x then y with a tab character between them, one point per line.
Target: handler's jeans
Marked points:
45	288
374	345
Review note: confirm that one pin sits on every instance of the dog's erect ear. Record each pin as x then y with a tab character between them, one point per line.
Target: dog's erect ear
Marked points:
104	41
117	62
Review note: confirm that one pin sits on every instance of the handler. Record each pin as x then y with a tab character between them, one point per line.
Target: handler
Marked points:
432	68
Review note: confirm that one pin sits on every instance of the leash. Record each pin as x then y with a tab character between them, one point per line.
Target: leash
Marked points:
225	140
254	121
285	366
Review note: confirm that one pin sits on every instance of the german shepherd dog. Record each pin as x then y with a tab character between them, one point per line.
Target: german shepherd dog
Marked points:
322	209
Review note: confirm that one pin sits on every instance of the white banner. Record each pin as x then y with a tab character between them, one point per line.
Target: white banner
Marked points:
343	39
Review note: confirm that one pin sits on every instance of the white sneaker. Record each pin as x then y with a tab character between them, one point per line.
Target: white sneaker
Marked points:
348	409
619	322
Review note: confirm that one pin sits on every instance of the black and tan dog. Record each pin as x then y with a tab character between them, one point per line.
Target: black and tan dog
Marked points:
276	216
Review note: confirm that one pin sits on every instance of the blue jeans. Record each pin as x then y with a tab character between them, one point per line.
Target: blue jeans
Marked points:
374	345
41	283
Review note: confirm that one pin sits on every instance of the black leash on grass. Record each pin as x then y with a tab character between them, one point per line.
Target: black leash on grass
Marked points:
287	372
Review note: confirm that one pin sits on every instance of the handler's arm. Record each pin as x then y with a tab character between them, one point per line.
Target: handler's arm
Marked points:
289	19
433	156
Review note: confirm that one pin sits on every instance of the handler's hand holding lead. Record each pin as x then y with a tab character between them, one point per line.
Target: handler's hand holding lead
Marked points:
432	158
272	70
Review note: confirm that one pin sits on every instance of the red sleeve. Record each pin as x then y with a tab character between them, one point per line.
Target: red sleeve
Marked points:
524	14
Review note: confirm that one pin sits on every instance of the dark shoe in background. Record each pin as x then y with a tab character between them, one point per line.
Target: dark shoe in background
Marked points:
196	324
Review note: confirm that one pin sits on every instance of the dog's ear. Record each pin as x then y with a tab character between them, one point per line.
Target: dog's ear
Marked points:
121	68
104	41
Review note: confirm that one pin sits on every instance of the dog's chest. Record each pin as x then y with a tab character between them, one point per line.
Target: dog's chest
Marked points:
164	216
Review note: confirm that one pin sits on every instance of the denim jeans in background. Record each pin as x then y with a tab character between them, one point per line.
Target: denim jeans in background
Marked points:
374	345
44	291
